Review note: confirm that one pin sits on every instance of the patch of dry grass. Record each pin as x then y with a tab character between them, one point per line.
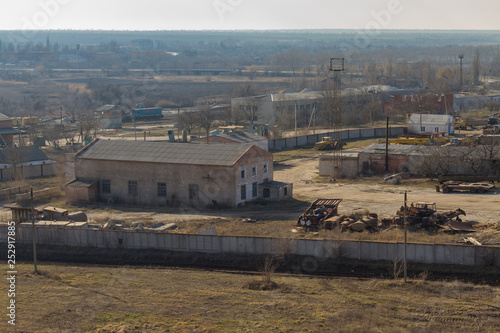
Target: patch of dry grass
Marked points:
123	299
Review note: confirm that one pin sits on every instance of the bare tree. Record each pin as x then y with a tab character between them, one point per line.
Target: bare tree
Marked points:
247	110
206	118
284	113
16	155
53	133
87	123
188	121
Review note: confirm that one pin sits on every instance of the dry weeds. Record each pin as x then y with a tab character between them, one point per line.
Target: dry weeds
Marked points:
121	299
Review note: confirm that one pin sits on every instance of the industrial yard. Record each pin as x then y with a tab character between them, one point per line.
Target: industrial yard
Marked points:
250	181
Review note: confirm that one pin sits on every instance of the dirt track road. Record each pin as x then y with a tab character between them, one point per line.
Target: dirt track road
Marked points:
383	199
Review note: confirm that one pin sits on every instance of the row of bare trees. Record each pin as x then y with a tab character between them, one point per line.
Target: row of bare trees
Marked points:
480	159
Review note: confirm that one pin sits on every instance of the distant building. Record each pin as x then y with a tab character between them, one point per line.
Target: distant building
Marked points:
235	137
110	116
430	123
287	106
467	101
25	162
272	108
415	103
7	131
171	174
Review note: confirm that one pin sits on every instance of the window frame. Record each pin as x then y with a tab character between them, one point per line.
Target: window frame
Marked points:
255	190
161	189
105	186
243	192
133	188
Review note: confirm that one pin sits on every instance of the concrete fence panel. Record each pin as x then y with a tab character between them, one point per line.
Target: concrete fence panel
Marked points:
302	141
320	249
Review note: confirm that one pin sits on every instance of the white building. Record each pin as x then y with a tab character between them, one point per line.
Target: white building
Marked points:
430	123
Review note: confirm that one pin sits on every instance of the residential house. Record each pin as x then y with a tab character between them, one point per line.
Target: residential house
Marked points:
110	116
25	162
430	123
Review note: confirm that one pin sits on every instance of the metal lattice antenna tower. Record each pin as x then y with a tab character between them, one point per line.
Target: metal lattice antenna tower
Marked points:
337	66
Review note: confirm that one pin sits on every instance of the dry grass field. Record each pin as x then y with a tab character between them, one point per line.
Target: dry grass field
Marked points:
66	298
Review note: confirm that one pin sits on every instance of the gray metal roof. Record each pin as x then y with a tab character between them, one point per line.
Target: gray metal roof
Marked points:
164	152
393	149
4	117
433	119
105	108
22	155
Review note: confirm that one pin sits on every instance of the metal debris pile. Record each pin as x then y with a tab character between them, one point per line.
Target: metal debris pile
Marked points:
322	214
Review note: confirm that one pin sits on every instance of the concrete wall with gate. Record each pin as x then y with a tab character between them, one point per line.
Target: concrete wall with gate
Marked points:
318	249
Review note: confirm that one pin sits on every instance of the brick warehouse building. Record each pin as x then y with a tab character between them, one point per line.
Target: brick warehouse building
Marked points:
170	174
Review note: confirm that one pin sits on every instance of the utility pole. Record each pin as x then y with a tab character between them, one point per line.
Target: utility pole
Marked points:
337	66
178	125
296	135
461	57
78	55
387	145
33	233
135	131
405	256
314	119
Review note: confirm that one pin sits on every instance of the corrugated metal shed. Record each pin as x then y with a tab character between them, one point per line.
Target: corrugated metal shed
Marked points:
393	149
163	152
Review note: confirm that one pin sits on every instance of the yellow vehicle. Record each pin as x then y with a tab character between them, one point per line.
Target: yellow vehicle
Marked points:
461	123
440	137
328	144
410	140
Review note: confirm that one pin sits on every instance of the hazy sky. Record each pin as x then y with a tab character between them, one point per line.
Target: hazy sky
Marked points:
249	14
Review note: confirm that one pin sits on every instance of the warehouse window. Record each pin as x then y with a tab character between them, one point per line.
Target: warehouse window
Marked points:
254	189
162	189
243	192
243	174
254	171
265	168
132	187
106	186
193	191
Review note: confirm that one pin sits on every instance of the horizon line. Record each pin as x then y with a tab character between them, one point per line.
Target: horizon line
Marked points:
246	30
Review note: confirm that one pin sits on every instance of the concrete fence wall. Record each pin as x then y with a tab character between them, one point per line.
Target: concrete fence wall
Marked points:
347	134
318	249
13	191
41	194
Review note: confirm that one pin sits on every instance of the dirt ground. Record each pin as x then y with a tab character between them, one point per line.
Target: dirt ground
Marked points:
383	199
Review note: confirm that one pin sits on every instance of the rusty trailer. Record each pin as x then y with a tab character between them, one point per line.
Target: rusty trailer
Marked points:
319	211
